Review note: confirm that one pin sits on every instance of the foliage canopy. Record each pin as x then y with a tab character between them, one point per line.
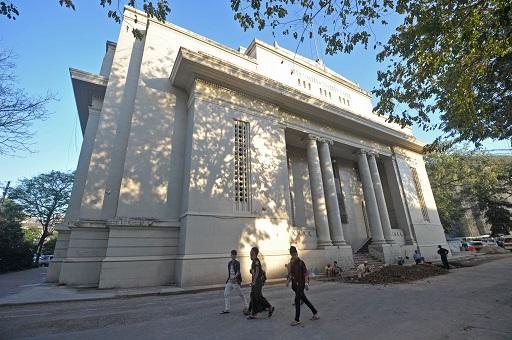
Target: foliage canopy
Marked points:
470	183
15	252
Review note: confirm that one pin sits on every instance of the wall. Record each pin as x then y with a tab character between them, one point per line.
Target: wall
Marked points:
429	233
211	226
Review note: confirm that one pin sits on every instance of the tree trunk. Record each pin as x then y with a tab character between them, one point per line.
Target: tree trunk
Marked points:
39	248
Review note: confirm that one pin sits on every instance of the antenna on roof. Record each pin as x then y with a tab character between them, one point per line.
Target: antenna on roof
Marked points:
318	59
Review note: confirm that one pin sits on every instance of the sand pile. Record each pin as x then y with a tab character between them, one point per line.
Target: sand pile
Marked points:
397	274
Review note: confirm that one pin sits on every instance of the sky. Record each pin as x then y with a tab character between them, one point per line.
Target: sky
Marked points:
48	39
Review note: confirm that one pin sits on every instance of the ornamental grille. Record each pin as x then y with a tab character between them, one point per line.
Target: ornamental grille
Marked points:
242	166
417	184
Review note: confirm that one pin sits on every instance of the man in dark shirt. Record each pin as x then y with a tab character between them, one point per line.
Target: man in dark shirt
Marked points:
298	275
444	253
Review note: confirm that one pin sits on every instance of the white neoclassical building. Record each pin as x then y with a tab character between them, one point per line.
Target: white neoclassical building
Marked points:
192	149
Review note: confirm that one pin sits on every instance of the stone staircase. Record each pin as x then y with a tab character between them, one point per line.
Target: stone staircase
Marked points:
363	254
359	258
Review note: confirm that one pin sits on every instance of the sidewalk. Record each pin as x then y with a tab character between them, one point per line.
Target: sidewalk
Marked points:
51	293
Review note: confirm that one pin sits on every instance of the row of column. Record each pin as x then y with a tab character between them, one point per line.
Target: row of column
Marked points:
323	191
377	210
325	199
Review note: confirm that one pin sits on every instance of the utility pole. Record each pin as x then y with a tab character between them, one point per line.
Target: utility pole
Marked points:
5	192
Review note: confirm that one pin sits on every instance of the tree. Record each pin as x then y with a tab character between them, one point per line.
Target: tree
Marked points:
46	198
496	199
15	252
467	181
451	59
158	9
17	109
32	236
49	246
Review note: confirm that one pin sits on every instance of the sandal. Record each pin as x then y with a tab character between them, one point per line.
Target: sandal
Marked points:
295	323
252	317
224	312
315	317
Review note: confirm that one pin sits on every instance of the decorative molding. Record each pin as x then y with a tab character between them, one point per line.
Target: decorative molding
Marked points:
134	222
238	93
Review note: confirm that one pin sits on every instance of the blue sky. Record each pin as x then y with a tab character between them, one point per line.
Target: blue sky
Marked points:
49	39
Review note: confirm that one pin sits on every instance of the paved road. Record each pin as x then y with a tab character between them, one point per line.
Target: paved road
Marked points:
14	282
468	303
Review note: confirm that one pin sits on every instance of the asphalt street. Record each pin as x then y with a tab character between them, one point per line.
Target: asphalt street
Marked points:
468	303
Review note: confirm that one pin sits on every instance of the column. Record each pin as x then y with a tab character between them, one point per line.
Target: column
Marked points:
372	209
381	201
331	198
317	193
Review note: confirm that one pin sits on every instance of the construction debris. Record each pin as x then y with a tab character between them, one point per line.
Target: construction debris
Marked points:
397	274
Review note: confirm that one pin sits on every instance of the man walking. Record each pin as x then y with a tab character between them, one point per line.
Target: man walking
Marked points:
233	283
299	277
444	253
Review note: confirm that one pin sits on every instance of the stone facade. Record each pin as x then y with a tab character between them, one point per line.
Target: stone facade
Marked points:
192	149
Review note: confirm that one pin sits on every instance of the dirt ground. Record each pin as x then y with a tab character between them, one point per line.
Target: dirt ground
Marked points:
400	274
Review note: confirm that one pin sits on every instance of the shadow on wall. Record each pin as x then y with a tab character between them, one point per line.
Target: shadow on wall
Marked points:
155	146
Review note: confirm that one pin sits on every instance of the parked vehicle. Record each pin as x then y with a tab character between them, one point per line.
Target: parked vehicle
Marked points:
507	242
467	246
478	245
489	242
44	260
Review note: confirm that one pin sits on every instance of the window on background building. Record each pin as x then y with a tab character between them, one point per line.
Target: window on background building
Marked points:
419	192
242	173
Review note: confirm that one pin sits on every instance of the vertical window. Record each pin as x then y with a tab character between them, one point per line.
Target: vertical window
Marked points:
298	81
417	184
304	83
309	86
242	166
321	92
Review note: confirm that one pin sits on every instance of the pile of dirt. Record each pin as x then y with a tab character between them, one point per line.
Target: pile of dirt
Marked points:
397	274
493	250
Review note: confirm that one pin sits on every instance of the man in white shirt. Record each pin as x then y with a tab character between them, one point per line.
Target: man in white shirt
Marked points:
233	283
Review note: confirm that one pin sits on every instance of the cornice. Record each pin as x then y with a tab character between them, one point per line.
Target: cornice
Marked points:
190	65
88	77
